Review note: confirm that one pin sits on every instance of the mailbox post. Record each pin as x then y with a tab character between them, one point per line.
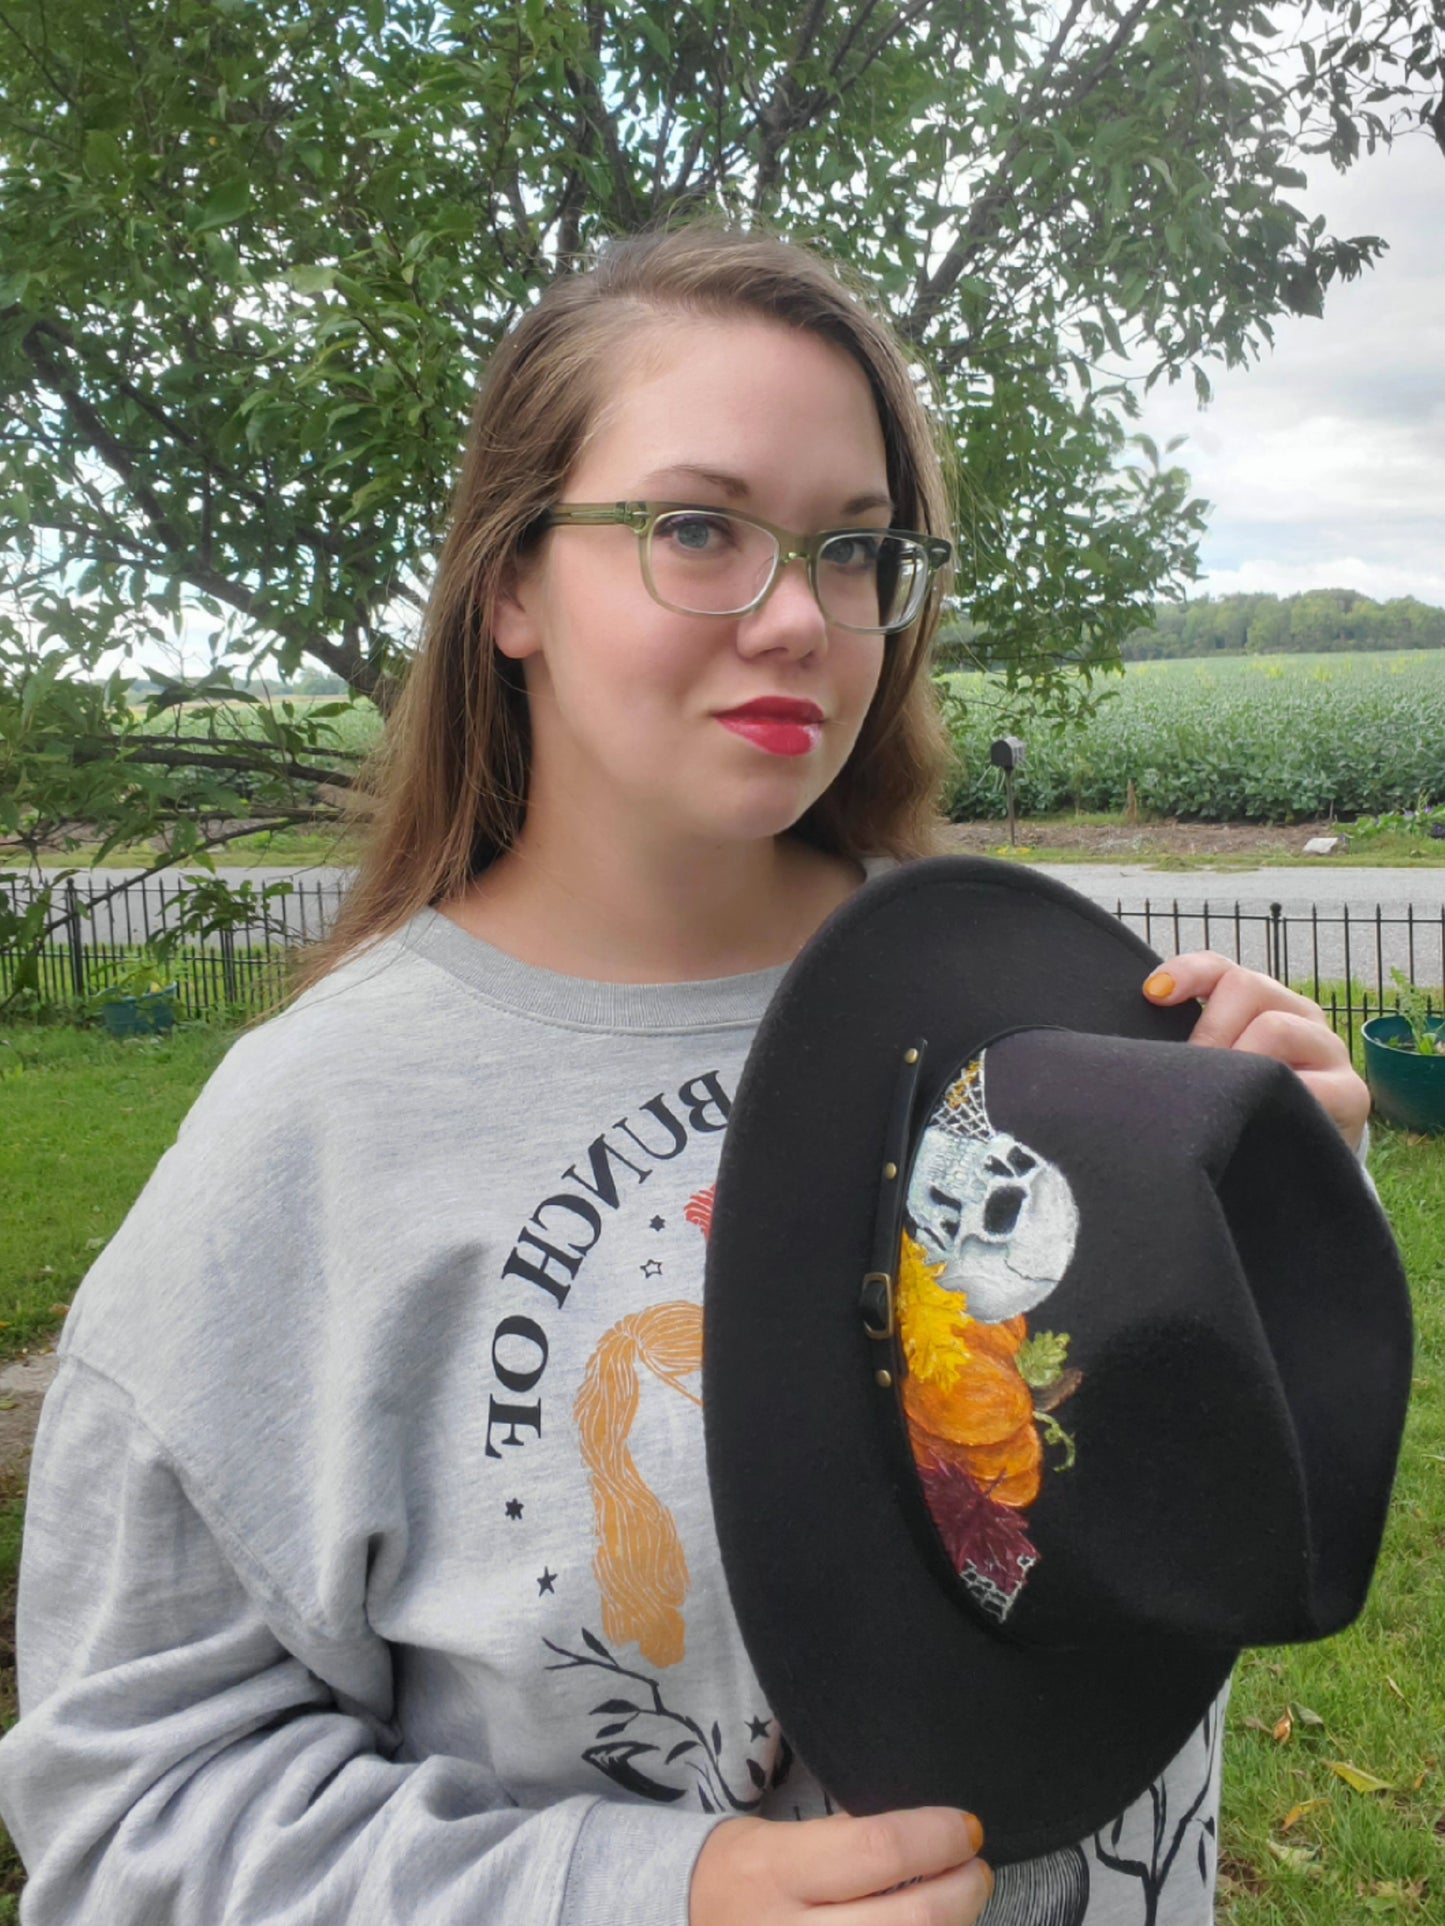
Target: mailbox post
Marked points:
1008	753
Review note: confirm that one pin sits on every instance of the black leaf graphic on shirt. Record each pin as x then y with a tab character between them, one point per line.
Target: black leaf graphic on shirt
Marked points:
1166	1838
702	1752
784	1763
756	1774
618	1762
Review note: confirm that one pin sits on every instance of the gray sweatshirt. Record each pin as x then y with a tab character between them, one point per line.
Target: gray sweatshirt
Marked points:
369	1569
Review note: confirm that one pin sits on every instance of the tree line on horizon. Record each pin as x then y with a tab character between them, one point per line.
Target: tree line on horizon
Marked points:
1313	622
1316	621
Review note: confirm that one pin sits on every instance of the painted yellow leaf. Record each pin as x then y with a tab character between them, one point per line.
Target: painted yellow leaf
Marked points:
1357	1780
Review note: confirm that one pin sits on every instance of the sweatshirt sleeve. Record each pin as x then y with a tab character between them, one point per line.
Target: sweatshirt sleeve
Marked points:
180	1762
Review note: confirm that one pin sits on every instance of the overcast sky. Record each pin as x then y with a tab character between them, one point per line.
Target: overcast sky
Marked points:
1325	462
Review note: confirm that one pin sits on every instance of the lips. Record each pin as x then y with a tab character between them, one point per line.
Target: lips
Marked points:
778	725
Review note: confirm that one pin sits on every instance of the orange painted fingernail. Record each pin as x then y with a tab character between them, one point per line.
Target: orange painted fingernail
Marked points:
975	1831
1160	984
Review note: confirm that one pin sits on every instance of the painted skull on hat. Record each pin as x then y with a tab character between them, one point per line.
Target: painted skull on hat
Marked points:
990	1229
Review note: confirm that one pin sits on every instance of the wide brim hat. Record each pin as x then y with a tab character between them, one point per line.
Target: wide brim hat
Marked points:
1049	1359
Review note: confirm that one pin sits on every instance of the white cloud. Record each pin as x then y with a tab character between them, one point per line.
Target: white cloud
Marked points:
1325	463
1380	582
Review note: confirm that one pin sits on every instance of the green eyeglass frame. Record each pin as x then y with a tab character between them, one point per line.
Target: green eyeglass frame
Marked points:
642	518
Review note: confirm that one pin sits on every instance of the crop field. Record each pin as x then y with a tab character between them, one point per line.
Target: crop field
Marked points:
1266	739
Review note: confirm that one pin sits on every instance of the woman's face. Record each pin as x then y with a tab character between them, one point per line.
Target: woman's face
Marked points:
646	723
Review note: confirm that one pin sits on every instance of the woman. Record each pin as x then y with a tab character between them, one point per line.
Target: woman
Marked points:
369	1568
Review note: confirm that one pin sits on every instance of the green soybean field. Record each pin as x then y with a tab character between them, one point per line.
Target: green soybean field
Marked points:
1263	739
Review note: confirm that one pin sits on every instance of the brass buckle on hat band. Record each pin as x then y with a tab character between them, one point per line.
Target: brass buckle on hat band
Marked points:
875	1301
875	1297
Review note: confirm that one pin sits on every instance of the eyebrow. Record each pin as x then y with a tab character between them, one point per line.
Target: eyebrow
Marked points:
736	489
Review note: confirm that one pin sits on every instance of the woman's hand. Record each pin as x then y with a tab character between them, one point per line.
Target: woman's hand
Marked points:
1247	1011
857	1872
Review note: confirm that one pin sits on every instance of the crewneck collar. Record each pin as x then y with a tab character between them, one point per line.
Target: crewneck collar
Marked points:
578	1002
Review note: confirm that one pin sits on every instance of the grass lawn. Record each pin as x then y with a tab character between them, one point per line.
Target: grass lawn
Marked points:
1301	1845
1161	843
83	1119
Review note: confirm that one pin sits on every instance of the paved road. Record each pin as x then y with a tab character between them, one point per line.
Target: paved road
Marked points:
1329	916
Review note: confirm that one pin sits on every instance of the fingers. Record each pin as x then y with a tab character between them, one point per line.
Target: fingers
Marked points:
913	1868
955	1898
1248	1011
1235	996
841	1858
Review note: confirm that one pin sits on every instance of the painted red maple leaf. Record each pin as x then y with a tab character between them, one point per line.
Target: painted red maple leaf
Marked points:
979	1536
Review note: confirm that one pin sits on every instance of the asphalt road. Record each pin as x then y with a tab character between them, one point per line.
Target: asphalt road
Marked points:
1333	922
1328	915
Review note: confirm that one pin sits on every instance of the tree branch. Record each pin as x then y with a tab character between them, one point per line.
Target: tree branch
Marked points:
162	751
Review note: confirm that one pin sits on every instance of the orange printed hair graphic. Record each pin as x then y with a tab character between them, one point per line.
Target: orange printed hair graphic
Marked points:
640	1567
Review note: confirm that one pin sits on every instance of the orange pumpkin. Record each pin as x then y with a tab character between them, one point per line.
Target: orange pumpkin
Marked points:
984	1421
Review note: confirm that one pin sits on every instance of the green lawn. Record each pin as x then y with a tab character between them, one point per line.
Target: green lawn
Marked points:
83	1119
1300	1844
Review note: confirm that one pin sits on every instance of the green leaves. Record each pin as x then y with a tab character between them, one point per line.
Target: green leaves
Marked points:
227	204
1041	1359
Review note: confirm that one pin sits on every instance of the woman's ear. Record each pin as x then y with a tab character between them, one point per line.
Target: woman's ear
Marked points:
515	629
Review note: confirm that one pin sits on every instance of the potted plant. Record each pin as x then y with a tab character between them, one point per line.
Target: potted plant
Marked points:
138	1003
1405	1061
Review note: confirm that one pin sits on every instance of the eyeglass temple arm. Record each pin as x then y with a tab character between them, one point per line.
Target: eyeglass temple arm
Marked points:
596	515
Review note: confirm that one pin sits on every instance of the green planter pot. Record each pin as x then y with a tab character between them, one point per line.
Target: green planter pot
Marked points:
151	1015
1409	1090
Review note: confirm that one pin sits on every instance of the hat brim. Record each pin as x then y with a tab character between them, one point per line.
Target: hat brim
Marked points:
890	1693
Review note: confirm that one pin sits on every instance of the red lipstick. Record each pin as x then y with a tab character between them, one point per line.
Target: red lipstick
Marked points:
779	725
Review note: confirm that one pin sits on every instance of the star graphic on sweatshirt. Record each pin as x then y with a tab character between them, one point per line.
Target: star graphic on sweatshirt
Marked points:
514	1507
546	1582
651	1268
759	1728
658	1223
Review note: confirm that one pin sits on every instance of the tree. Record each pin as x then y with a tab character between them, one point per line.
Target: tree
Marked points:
252	260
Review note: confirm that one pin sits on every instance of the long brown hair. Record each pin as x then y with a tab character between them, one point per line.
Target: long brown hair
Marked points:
450	781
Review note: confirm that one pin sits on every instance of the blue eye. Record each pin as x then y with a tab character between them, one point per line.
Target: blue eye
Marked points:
694	534
855	553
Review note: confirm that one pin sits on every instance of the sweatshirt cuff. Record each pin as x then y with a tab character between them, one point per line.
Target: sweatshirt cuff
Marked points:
634	1863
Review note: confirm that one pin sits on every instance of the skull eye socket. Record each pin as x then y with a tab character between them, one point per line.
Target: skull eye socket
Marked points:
953	1208
996	1167
1001	1212
1021	1162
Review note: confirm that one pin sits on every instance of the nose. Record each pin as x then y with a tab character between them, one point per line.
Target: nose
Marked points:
789	620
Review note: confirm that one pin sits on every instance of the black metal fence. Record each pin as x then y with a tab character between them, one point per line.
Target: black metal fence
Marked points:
102	929
1344	959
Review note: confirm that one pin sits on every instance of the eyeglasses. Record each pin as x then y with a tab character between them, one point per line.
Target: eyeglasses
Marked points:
709	561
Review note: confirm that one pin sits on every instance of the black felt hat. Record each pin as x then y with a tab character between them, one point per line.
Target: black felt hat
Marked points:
1049	1359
